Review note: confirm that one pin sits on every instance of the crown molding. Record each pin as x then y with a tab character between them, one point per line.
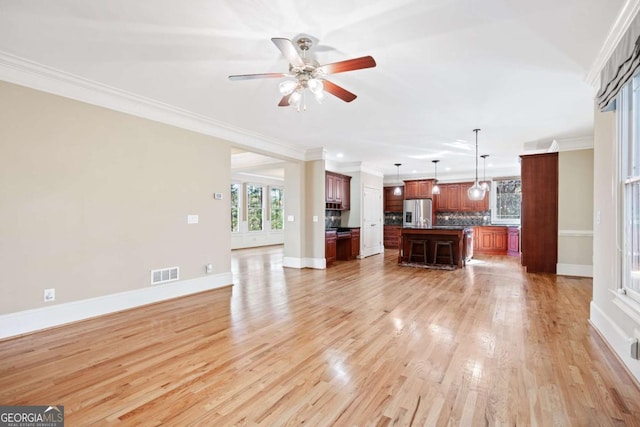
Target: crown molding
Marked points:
572	144
24	72
251	161
354	167
319	153
620	26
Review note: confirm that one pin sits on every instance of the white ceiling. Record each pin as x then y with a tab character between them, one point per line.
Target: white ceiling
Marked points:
514	68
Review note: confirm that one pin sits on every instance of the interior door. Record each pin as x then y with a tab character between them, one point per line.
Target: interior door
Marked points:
371	232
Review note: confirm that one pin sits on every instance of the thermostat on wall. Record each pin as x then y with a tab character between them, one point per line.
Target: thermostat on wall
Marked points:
217	196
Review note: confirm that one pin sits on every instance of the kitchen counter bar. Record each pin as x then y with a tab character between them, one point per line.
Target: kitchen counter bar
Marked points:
460	236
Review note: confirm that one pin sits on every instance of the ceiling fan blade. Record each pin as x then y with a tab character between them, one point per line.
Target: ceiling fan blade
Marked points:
289	51
256	76
338	91
348	65
284	102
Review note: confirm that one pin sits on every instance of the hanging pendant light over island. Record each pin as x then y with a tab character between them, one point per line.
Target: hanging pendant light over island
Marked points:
476	191
397	191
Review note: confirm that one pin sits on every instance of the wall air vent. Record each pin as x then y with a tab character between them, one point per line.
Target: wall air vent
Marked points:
165	275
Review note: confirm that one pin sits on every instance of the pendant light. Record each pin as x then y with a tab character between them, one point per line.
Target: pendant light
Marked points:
435	189
397	191
485	184
476	192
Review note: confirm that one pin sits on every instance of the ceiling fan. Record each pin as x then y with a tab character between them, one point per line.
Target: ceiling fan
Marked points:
307	73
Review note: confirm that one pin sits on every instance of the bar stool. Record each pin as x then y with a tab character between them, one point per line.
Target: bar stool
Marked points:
414	242
446	244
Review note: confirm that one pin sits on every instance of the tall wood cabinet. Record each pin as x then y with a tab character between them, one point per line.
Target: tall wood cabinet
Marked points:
539	216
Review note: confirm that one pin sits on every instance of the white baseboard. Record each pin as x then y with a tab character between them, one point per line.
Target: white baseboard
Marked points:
615	337
317	263
23	322
292	262
574	270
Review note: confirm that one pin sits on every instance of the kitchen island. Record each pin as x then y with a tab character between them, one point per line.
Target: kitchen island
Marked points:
418	246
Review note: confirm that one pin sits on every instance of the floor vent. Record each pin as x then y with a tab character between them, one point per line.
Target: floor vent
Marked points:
165	275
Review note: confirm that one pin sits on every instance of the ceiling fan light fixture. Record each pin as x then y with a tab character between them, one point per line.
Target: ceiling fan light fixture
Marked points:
307	73
287	87
295	99
315	86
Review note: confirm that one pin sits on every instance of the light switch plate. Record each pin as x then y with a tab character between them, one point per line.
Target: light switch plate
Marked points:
192	219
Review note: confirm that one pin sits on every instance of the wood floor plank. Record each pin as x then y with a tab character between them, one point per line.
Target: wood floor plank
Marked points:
365	342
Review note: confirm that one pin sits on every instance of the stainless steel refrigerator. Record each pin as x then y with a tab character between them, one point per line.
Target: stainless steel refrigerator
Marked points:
417	213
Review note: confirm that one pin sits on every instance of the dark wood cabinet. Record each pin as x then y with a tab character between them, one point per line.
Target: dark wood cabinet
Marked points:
393	203
418	189
330	246
346	193
539	214
449	198
392	236
468	205
513	244
490	240
355	243
337	191
454	198
330	187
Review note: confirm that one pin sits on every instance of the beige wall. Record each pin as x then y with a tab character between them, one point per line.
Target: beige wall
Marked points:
315	204
609	314
91	200
575	212
294	179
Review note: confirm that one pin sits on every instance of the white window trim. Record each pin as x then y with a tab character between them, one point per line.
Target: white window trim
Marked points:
493	202
626	298
262	207
240	200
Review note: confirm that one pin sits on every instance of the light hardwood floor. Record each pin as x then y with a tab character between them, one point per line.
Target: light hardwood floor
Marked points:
363	343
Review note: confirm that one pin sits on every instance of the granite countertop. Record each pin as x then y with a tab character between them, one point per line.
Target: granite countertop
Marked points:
451	227
440	227
341	228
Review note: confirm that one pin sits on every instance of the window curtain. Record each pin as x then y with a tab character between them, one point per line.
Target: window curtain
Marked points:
622	65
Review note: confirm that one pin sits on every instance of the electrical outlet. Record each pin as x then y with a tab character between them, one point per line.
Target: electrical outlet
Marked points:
209	268
49	295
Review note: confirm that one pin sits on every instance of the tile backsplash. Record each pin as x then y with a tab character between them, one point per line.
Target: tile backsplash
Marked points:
463	218
393	218
332	219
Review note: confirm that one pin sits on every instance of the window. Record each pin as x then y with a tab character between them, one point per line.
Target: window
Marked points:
628	115
235	212
277	221
507	201
254	207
